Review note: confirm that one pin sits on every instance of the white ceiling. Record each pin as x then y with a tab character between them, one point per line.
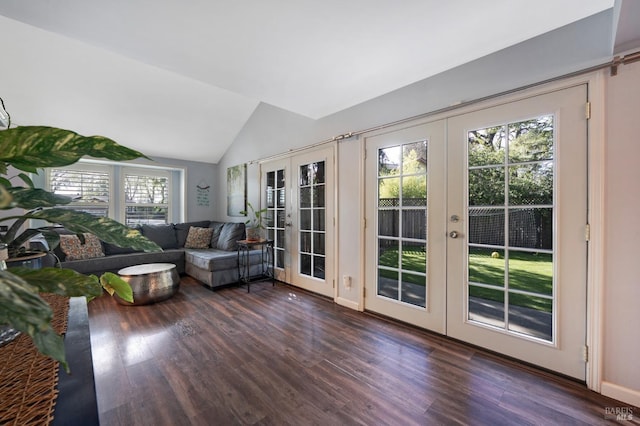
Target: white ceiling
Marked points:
156	74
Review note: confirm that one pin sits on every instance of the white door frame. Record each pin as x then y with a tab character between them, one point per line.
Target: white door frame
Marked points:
596	175
332	216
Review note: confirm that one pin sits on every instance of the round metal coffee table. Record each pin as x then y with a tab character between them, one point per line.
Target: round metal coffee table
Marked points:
151	282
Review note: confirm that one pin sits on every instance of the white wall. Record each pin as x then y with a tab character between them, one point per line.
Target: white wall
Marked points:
203	174
621	372
272	131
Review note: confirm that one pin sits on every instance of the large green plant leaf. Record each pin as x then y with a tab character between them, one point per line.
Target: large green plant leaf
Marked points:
23	309
31	198
106	229
5	196
112	283
65	282
29	148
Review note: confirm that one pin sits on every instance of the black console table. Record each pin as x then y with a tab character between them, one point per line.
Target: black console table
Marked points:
76	403
266	260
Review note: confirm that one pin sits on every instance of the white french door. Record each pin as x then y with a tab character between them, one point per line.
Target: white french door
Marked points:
517	175
406	205
276	198
299	195
504	255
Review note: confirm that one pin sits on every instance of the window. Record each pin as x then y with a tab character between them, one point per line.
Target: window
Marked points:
89	187
130	195
146	196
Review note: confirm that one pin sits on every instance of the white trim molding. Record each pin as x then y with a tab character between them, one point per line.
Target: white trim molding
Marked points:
626	395
595	273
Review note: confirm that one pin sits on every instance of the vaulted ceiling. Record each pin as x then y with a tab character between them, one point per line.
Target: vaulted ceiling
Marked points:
179	79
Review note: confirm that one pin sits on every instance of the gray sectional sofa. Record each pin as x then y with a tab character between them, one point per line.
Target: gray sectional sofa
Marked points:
214	266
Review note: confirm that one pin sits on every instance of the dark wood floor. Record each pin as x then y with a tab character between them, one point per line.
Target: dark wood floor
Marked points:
279	355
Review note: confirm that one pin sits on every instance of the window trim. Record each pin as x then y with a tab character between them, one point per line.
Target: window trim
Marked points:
86	167
145	171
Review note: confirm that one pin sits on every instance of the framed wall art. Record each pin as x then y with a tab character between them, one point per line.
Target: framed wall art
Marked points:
236	190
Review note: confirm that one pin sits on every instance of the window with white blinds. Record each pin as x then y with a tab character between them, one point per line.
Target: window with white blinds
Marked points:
88	187
146	196
130	195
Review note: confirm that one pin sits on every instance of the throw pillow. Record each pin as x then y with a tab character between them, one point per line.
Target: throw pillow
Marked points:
182	230
230	234
74	249
198	238
217	228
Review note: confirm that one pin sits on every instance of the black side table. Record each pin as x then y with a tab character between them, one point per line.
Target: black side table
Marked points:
266	260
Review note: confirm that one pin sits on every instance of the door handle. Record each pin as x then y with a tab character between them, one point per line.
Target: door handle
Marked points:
453	234
288	224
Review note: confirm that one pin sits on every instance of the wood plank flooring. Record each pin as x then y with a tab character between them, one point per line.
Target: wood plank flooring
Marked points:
281	356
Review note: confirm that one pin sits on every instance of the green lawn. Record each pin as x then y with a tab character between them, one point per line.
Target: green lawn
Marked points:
532	272
413	259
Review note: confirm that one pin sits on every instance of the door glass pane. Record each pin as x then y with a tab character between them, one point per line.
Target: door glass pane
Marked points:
531	228
414	224
531	271
530	315
414	191
388	284
486	226
389	161
531	183
318	243
402	222
413	288
318	267
486	186
486	305
276	213
388	253
414	257
486	146
311	214
389	223
510	216
486	266
305	220
318	219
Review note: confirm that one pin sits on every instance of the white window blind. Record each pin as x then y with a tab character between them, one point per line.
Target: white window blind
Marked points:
146	194
89	189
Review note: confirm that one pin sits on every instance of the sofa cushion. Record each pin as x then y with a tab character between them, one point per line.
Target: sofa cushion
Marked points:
163	235
110	249
74	249
212	259
198	238
116	262
230	234
182	230
217	228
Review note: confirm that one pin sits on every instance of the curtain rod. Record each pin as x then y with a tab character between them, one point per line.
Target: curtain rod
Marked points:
612	64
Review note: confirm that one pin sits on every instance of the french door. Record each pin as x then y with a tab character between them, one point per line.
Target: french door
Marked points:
504	263
299	195
406	205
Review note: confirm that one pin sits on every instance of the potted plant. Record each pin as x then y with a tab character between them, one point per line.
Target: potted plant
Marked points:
27	149
255	222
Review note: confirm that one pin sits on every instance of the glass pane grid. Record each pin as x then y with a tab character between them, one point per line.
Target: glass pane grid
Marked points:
402	233
311	219
276	214
510	235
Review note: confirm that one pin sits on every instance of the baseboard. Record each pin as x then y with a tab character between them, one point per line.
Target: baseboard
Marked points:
348	303
626	395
